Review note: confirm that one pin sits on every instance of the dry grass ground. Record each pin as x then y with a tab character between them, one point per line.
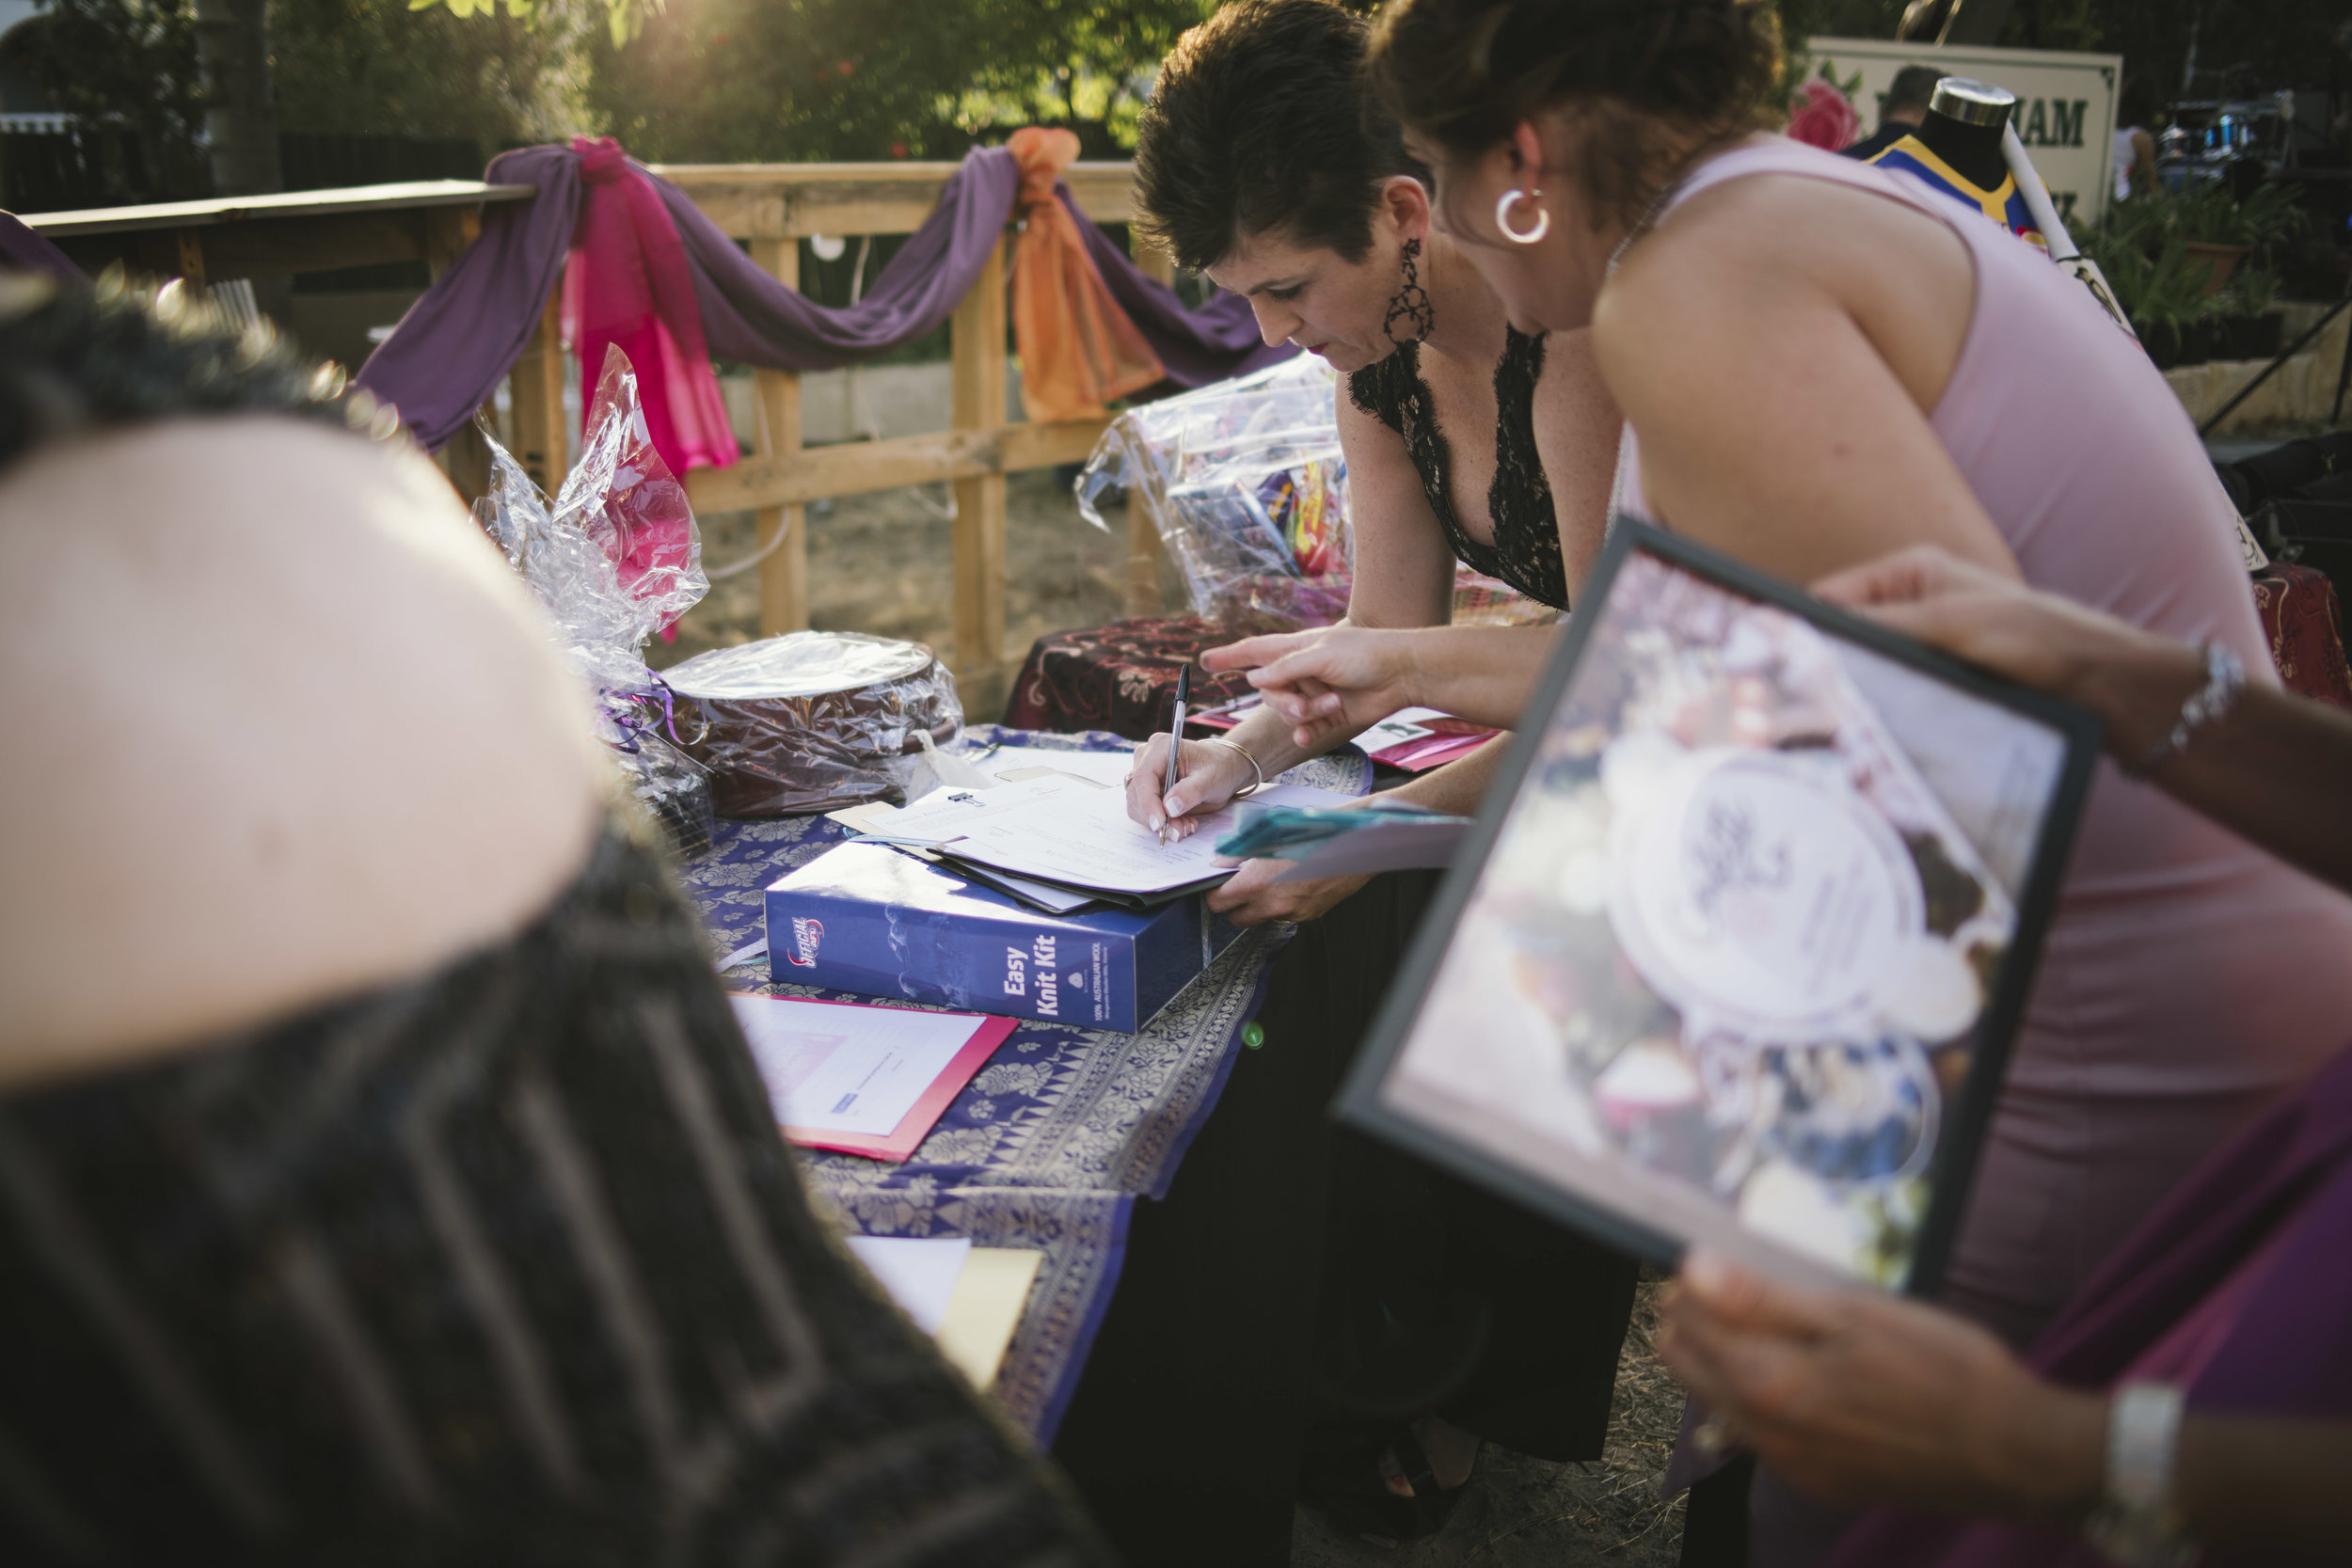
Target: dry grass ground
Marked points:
1524	1512
886	563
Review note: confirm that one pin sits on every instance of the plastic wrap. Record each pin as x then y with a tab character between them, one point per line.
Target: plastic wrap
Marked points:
615	559
1247	487
816	720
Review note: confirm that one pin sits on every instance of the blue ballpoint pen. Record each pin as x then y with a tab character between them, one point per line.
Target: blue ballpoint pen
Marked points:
1175	746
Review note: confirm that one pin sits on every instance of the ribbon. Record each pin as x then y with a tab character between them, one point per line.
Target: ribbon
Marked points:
1078	349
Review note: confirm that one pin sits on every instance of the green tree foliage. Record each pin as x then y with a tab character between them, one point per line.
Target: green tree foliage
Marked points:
128	66
376	67
743	80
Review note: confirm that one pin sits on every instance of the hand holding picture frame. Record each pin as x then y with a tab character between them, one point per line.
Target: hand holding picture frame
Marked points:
1735	952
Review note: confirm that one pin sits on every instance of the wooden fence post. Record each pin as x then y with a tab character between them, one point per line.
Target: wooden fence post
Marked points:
979	368
1143	596
543	439
784	575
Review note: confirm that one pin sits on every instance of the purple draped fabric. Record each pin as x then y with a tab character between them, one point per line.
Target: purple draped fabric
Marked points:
1217	341
27	251
456	344
749	316
2277	1198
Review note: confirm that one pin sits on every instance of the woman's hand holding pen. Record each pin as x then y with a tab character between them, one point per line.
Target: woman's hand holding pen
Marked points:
1212	775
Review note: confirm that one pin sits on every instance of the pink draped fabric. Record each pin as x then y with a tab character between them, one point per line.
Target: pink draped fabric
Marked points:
628	284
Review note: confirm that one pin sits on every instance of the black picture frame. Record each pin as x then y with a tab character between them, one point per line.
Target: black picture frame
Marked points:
1361	1104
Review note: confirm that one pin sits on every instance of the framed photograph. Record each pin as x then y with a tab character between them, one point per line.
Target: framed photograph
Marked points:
1736	951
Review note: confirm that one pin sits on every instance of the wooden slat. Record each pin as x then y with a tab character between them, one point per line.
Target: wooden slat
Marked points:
241	209
758	201
535	391
1144	550
1152	261
855	467
978	371
784	574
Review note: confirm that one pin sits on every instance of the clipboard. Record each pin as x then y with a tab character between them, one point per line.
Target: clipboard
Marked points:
1737	949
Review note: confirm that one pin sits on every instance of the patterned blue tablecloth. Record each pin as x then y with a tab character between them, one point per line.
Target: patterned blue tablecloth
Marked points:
1051	1142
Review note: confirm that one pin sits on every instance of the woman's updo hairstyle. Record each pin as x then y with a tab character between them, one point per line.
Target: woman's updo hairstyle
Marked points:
1465	72
75	359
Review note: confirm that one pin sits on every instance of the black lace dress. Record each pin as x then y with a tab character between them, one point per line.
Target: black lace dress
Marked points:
506	1266
1526	549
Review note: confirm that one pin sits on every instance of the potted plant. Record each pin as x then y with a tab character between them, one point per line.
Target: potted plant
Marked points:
2167	306
2251	329
2218	231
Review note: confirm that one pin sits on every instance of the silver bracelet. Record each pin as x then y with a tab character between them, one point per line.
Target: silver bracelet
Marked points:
2225	678
1237	746
2135	1522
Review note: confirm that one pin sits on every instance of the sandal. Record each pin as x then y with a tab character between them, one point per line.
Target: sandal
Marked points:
1355	1491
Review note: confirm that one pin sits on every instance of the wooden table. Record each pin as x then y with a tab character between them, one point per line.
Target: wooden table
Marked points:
269	236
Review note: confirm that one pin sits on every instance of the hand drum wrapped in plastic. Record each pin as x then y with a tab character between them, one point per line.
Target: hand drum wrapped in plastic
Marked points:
815	721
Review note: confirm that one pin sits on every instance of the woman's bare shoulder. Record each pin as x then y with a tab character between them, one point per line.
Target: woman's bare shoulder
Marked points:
302	732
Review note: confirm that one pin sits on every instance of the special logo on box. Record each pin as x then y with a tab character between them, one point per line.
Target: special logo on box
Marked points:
807	934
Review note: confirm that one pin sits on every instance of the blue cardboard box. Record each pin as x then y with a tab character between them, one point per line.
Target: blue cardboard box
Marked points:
866	918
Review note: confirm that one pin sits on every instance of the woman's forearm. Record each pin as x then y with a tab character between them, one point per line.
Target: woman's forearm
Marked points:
1265	735
1458	787
1480	673
2277	768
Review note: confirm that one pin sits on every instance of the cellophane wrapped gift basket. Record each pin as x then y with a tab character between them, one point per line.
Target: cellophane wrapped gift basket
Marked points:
616	558
1248	488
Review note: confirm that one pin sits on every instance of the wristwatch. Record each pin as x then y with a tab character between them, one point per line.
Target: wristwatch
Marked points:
2135	1522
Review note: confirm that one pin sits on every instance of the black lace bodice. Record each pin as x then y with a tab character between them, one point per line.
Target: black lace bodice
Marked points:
1526	549
506	1266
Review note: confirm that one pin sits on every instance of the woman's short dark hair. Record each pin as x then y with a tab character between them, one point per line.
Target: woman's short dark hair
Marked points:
77	357
1465	72
1258	123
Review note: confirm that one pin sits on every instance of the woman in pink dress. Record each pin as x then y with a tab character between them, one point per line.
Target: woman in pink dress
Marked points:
1820	362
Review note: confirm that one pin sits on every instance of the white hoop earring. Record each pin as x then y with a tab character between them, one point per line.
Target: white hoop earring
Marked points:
1503	218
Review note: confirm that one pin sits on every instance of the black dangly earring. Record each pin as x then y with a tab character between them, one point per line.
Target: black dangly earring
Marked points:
1411	302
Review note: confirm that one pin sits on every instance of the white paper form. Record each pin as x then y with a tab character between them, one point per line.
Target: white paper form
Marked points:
834	1069
919	1272
949	814
1108	768
1410	723
1085	839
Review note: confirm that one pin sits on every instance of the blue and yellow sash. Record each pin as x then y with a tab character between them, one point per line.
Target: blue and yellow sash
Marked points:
2002	203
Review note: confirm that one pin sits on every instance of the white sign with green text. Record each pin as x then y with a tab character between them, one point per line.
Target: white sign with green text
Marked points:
2065	105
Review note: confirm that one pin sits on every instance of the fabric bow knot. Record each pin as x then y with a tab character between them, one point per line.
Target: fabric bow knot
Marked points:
1078	349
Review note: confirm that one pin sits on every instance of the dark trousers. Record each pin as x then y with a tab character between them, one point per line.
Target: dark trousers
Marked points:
1186	1430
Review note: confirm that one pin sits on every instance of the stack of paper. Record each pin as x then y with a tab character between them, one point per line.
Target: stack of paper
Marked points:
968	1299
1056	841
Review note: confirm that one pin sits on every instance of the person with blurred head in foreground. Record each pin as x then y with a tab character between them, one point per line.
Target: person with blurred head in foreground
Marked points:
1259	163
1819	362
382	1173
2198	1393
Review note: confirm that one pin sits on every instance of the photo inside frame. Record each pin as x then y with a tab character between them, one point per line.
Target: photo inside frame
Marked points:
1747	934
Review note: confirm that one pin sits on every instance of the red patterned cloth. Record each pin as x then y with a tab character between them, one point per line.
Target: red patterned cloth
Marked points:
1117	678
2299	612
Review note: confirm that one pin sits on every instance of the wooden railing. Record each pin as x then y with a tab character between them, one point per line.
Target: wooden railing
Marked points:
771	206
774	206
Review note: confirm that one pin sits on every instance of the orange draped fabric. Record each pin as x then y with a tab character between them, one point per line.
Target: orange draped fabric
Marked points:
1078	349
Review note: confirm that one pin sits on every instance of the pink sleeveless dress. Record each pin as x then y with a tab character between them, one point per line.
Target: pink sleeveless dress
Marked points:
2189	980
